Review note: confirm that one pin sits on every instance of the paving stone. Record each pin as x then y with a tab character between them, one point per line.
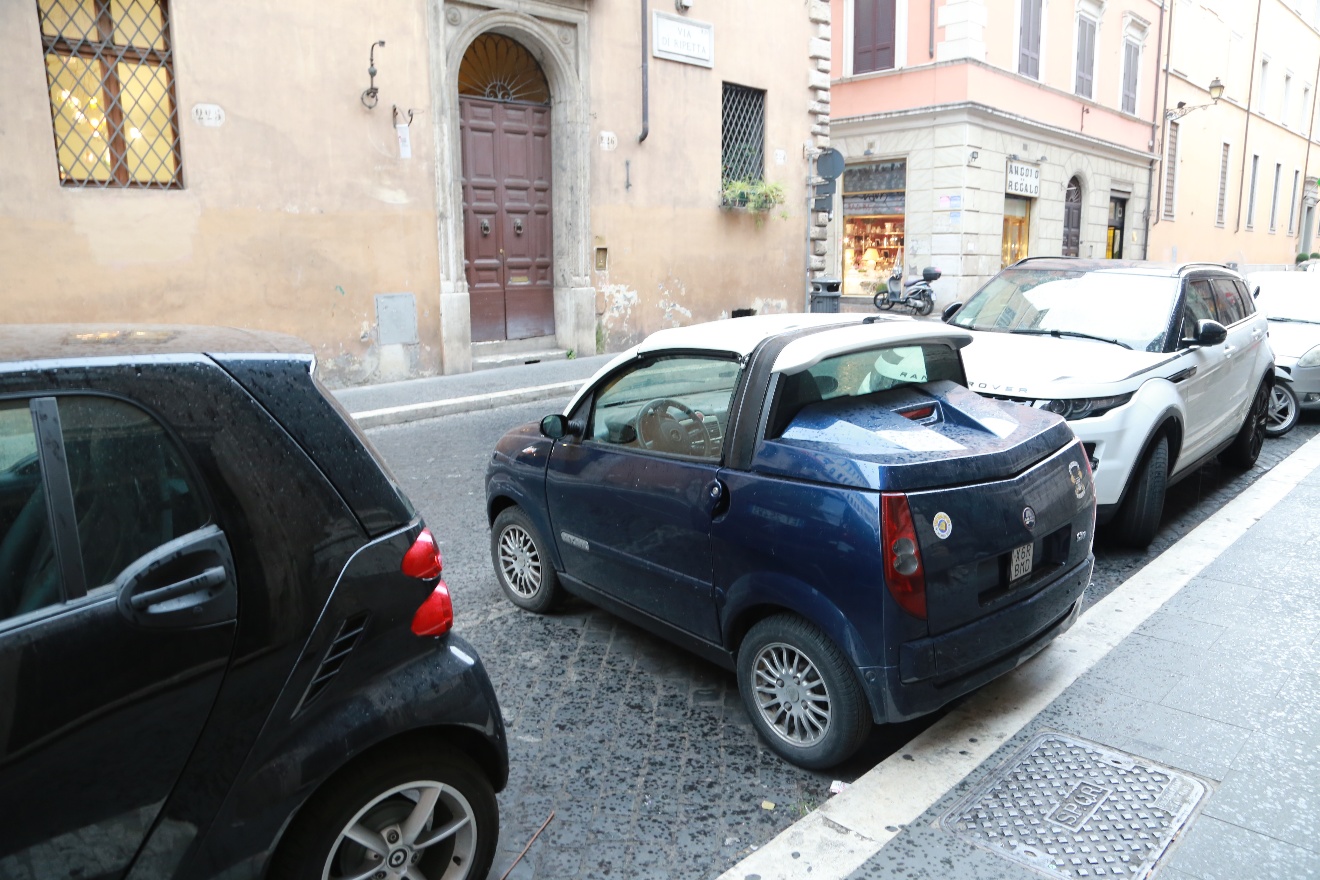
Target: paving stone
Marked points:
1181	630
1218	850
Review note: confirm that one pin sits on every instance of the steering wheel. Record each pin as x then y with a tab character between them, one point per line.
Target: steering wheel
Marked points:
657	428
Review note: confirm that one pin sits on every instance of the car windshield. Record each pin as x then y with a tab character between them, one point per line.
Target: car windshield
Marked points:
1128	310
1288	300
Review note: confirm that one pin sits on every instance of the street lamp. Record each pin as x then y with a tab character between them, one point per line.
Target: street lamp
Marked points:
1216	92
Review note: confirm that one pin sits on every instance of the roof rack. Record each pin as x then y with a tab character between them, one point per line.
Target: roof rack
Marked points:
1200	264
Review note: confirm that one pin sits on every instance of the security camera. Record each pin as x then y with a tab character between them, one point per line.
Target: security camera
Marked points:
682	5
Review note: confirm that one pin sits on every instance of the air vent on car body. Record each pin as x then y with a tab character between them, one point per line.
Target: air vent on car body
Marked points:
350	631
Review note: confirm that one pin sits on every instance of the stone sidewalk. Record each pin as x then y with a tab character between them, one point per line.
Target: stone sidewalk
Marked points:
1173	730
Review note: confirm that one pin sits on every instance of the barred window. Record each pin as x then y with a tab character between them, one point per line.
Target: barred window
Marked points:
742	134
110	69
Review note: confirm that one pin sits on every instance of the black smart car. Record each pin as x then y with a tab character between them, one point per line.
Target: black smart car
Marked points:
224	641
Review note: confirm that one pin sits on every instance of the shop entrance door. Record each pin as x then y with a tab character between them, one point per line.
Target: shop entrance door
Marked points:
1117	212
1072	219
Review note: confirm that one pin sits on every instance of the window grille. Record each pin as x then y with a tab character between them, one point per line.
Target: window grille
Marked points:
742	134
1222	202
110	70
1171	171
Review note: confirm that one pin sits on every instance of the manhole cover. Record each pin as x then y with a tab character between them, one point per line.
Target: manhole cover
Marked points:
1072	808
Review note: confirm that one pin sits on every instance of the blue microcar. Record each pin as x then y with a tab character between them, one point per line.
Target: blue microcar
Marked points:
815	501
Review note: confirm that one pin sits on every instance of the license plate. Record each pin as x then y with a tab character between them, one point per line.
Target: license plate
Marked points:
1019	565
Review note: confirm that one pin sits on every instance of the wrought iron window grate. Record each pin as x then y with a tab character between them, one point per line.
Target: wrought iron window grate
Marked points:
110	70
742	134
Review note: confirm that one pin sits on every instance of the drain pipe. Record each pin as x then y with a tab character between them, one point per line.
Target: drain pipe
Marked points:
646	77
1246	127
1156	132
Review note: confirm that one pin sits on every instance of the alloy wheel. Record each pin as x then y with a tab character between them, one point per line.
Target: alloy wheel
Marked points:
1260	416
421	830
520	563
791	694
1282	409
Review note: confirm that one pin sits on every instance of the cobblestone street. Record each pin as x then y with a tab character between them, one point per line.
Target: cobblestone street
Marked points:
643	752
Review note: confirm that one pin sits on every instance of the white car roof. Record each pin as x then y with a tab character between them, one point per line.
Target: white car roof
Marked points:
740	336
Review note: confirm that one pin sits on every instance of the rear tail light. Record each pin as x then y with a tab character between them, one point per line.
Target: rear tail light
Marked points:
423	561
435	617
904	574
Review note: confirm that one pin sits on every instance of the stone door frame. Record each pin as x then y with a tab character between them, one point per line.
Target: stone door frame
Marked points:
556	35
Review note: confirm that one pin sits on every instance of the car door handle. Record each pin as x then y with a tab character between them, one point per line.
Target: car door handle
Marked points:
212	577
1229	349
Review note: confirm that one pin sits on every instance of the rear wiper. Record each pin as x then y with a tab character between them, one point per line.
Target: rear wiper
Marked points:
1062	333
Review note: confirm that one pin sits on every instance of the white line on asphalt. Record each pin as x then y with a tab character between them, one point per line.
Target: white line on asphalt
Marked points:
408	412
850	828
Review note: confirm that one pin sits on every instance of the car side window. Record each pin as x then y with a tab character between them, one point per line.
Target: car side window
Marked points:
1245	297
1198	305
29	578
131	490
678	405
1228	300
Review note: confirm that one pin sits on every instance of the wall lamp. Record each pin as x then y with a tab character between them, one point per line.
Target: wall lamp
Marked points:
372	94
1216	92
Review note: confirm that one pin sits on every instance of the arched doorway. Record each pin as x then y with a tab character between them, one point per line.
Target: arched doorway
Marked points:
1072	218
504	119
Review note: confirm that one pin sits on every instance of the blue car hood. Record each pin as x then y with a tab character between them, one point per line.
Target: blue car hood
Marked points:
867	443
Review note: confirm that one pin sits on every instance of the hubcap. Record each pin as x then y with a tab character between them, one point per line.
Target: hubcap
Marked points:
519	562
1281	407
791	695
423	830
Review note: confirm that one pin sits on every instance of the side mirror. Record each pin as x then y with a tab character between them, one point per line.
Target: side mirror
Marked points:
949	311
1208	333
555	426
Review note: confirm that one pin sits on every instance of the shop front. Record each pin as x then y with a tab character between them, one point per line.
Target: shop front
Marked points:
874	220
1021	188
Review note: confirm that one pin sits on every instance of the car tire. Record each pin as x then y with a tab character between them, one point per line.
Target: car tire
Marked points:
522	566
385	795
1245	448
829	719
1284	410
1138	519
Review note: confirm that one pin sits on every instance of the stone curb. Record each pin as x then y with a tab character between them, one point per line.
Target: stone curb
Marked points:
412	412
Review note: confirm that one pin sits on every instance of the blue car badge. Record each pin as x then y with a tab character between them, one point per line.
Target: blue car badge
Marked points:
1029	517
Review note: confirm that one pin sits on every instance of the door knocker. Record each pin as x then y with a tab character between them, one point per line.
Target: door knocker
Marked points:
517	226
485	227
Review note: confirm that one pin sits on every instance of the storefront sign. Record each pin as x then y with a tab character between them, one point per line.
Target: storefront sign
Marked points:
682	39
1023	179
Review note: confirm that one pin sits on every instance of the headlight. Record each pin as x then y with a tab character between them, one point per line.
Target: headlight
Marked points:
1085	407
1311	358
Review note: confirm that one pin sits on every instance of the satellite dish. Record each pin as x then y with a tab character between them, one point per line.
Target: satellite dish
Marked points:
829	164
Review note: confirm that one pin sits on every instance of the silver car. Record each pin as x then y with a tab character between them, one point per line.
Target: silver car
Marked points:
1291	302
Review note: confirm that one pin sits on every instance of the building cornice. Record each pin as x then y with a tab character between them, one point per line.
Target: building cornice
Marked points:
841	127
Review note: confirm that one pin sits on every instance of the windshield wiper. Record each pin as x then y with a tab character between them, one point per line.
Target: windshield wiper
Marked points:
1061	333
1294	320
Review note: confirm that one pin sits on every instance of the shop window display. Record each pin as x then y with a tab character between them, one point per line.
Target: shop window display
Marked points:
1017	226
874	205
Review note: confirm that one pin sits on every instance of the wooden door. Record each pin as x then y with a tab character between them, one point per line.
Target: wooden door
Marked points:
507	253
1072	219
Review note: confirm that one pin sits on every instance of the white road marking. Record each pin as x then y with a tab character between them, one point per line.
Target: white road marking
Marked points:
850	828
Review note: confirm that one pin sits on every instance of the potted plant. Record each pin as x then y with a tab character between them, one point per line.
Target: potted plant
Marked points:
752	194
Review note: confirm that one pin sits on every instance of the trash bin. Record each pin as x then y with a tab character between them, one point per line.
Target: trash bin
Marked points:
825	294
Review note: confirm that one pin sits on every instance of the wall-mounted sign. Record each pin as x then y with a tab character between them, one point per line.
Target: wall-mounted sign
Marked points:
208	115
609	141
682	39
1023	179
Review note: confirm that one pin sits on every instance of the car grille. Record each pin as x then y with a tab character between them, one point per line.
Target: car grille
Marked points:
350	631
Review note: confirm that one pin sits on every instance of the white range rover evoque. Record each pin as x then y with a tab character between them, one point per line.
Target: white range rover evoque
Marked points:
1156	367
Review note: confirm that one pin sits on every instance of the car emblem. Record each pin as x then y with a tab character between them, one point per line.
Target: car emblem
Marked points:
1029	517
942	525
1078	481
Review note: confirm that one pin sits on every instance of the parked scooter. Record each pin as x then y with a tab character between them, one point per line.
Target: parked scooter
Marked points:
915	293
1284	408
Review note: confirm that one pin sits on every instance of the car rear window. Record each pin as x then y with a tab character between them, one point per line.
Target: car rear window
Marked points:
870	373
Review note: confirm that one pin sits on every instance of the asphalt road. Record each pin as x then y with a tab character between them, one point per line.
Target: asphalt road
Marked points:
641	751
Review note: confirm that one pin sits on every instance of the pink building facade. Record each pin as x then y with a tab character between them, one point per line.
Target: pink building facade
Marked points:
978	132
